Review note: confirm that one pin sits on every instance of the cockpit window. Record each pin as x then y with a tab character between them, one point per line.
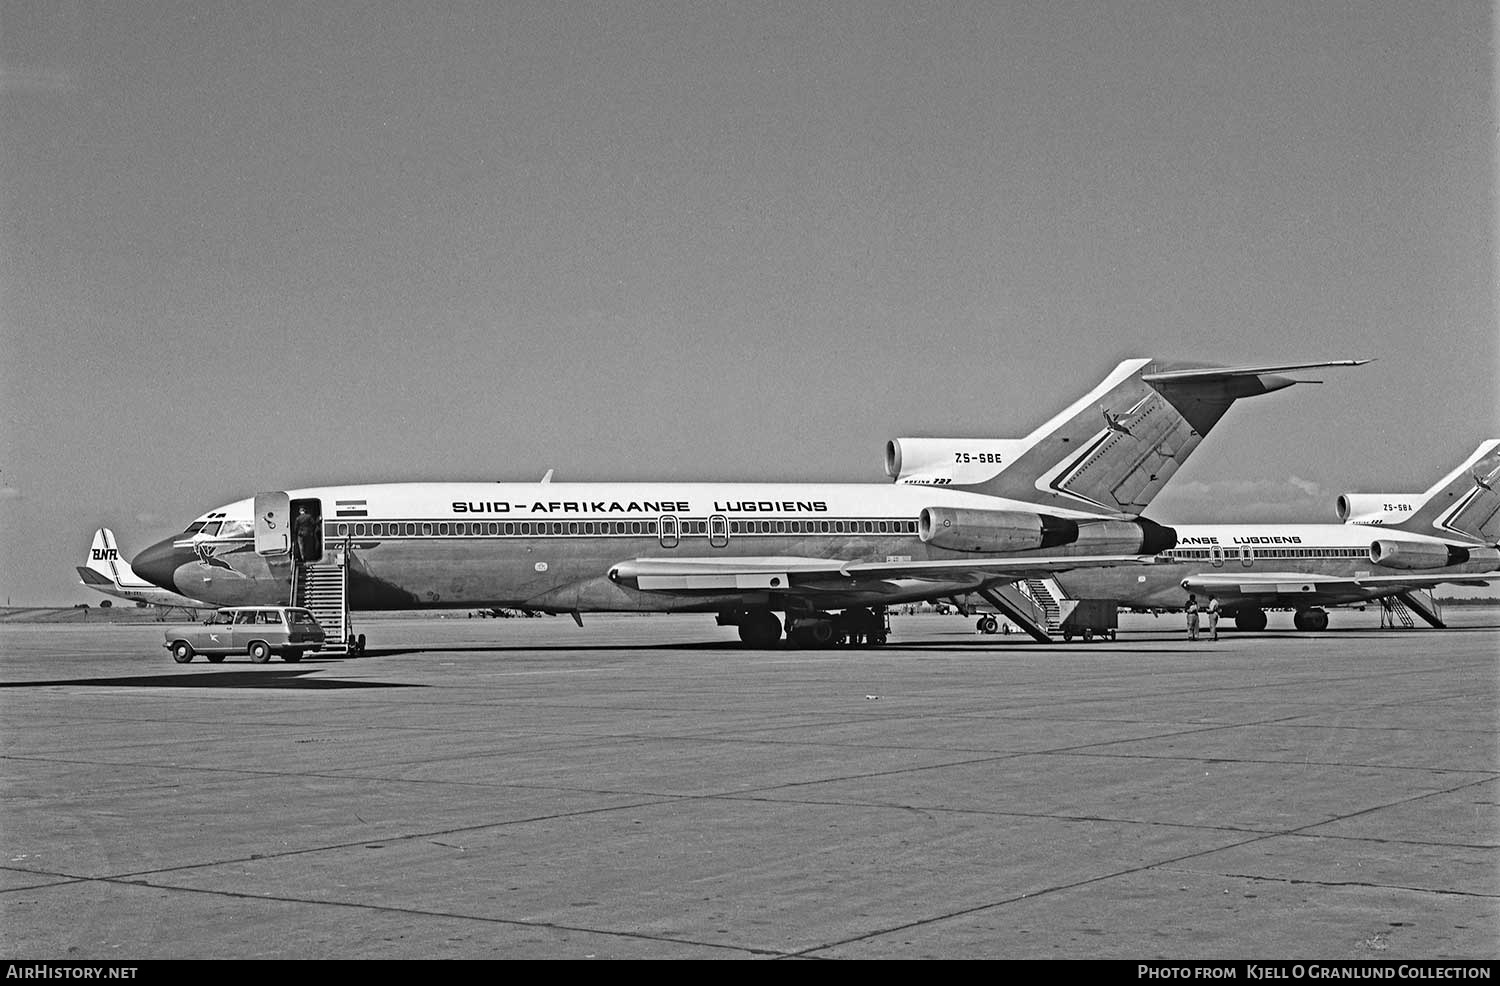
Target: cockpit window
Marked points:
195	527
210	529
237	529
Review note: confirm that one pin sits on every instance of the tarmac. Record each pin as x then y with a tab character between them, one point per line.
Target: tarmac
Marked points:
644	788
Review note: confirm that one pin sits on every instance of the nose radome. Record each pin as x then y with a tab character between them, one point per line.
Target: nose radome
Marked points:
157	564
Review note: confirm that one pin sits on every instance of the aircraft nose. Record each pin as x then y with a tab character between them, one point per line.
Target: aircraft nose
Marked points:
158	564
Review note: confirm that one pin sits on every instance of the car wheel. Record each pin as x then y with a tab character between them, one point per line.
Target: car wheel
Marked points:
182	652
259	652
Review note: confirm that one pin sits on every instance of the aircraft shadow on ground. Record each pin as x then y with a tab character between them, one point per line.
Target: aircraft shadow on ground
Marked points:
297	679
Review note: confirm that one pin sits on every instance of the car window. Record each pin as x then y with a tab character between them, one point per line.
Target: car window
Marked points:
219	619
244	616
303	618
272	616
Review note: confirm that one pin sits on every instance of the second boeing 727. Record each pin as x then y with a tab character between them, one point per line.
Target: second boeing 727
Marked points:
1389	547
963	515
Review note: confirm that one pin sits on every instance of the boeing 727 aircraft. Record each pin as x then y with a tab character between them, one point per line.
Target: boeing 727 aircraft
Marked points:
108	572
1390	546
963	515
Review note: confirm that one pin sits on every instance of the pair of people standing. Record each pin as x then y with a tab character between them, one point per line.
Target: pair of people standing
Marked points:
1192	616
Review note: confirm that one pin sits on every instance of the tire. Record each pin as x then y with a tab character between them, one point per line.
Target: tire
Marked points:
1251	620
988	625
259	652
760	629
182	652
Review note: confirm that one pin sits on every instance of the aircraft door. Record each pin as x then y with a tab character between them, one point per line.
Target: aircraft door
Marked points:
307	529
1247	555
1216	555
273	523
718	530
667	531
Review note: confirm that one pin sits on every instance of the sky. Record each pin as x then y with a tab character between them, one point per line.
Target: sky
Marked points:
263	246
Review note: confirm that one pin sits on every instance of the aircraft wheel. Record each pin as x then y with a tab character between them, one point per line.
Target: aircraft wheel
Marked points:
818	633
1067	635
182	652
1310	619
1250	619
988	625
1088	634
760	628
215	658
259	652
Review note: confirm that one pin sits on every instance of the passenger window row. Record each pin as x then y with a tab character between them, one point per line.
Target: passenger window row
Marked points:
607	528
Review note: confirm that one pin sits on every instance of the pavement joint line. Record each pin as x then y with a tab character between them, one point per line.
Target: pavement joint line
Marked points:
421	912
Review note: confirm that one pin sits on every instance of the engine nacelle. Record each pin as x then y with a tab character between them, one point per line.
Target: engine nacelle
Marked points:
960	529
963	529
1418	555
948	461
1376	508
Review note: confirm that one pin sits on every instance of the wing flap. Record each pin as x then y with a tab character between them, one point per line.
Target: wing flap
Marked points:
836	575
1294	584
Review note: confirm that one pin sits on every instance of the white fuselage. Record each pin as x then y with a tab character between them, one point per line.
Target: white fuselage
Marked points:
550	545
1258	554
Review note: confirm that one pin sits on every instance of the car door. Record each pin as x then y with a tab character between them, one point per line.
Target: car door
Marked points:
217	635
246	628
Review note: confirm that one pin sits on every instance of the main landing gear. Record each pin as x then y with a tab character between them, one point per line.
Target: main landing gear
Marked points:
1250	619
1311	619
858	627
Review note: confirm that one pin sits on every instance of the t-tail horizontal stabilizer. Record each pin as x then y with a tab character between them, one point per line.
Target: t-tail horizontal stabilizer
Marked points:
1109	452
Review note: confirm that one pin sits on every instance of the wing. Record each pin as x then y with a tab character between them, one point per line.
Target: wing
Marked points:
813	576
1275	588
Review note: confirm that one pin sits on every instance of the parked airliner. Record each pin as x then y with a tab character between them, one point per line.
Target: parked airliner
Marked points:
108	572
1389	546
962	515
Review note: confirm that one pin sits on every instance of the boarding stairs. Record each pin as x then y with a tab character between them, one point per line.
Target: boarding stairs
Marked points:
1014	601
323	589
1041	592
1400	608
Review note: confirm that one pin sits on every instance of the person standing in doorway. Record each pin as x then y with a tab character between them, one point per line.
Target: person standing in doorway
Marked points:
305	527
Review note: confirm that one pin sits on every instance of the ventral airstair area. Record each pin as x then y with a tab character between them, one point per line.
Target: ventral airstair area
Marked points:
1396	611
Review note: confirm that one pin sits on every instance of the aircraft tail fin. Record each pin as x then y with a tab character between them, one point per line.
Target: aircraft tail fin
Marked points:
105	565
1466	502
1110	451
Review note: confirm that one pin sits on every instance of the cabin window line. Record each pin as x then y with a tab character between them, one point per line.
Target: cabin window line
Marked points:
700	527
